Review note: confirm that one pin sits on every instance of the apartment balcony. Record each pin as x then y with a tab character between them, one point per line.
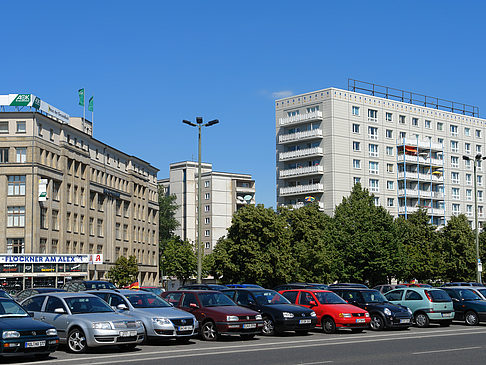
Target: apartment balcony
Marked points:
409	210
300	205
430	211
245	189
415	193
301	118
422	177
301	189
300	136
436	211
420	160
428	145
306	152
301	171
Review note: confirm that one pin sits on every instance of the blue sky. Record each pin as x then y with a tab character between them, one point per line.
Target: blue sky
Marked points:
151	64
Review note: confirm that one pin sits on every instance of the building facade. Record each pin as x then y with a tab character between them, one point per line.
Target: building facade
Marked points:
64	192
222	194
407	155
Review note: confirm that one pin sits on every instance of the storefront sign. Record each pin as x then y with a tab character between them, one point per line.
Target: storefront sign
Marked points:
42	259
45	268
96	259
11	268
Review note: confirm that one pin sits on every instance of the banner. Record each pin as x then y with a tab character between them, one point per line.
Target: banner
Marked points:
36	103
43	190
81	96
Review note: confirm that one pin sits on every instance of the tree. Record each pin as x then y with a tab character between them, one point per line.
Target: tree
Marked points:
179	259
167	222
124	272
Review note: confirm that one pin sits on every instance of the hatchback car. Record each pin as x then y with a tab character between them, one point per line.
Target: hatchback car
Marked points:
291	286
243	286
469	306
24	294
348	285
160	319
217	314
278	313
78	285
427	305
22	335
385	288
333	312
84	320
383	313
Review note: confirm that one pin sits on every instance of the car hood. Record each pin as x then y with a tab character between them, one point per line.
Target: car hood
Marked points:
381	306
292	308
22	324
230	310
102	317
167	312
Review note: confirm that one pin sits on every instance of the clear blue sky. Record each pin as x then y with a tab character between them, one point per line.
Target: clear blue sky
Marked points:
151	64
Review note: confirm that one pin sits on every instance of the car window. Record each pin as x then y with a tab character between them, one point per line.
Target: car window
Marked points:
329	298
90	304
290	295
305	298
24	294
394	295
115	300
54	303
212	299
352	296
189	298
10	308
173	298
229	293
269	297
482	291
438	295
146	300
468	294
243	298
34	304
412	295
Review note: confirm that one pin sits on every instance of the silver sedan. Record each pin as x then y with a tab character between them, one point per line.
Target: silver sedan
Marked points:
83	320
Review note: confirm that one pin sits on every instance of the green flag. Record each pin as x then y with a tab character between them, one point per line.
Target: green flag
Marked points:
90	104
81	96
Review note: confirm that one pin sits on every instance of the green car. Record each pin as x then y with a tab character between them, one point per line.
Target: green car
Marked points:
427	305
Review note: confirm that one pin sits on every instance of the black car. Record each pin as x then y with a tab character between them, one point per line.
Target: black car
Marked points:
468	305
203	287
278	313
383	313
385	288
347	285
22	335
292	286
82	285
24	294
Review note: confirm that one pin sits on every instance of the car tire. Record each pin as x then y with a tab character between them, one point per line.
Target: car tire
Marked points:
445	323
247	336
268	326
328	325
422	320
377	322
76	341
471	318
127	347
209	331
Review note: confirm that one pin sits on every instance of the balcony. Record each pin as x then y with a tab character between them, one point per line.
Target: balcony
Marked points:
414	193
422	177
401	210
300	205
421	144
436	211
301	118
300	136
301	171
301	189
420	160
283	156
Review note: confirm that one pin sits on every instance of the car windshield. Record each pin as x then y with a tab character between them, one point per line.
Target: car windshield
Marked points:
78	305
99	285
329	298
4	294
468	294
214	300
373	296
156	291
9	308
148	300
269	297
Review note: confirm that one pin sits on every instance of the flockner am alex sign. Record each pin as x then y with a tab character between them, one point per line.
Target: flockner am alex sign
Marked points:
44	259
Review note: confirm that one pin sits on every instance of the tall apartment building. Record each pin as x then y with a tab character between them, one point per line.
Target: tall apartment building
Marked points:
64	192
222	194
406	148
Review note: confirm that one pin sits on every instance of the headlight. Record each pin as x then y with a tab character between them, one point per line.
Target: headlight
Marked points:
409	311
51	332
139	323
10	334
231	318
102	325
387	312
161	321
313	314
367	314
345	315
258	317
288	315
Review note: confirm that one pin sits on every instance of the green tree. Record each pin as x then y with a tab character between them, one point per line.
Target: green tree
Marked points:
179	259
124	272
167	223
257	248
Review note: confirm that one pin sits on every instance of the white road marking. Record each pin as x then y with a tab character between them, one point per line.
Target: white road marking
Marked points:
314	363
446	350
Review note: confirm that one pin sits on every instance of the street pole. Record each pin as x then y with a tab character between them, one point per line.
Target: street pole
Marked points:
478	274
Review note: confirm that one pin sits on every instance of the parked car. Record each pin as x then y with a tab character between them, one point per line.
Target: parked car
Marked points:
333	312
160	319
84	320
419	285
348	285
427	305
480	291
22	335
4	294
24	294
244	286
157	290
203	287
217	314
291	286
462	283
385	288
383	313
469	306
278	313
78	285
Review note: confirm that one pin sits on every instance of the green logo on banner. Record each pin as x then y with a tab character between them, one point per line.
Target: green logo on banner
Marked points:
36	103
21	100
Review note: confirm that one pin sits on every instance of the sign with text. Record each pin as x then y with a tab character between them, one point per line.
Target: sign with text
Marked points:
96	259
43	259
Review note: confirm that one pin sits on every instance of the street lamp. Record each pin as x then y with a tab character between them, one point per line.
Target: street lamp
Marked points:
476	159
199	121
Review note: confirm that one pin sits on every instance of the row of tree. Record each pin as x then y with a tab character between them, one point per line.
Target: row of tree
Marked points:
360	243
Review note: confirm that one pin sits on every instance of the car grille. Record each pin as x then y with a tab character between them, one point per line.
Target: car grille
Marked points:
246	318
105	338
164	332
184	332
182	321
125	324
33	333
358	314
126	339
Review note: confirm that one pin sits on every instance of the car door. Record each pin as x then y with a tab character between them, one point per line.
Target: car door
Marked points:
246	299
58	320
191	304
414	300
34	305
395	296
456	302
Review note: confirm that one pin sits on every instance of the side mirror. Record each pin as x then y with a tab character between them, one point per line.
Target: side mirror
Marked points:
59	310
122	306
455	299
193	305
312	303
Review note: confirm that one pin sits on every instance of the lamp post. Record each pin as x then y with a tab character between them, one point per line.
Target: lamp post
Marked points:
476	159
199	121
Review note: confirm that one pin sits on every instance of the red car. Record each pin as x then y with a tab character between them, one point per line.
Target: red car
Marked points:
216	313
332	311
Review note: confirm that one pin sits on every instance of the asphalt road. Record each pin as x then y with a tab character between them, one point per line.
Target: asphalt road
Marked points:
457	344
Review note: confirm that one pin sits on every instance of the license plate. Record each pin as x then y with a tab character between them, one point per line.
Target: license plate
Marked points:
184	328
360	320
304	321
404	321
35	344
446	314
128	333
249	325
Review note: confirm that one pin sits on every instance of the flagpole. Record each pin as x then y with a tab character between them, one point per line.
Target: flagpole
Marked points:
84	108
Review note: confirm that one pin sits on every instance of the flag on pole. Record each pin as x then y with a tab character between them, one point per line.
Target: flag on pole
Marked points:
90	104
81	96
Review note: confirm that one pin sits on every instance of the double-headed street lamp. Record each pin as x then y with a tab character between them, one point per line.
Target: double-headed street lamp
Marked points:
476	160
199	121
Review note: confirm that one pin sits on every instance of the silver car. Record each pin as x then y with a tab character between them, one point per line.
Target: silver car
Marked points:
160	319
83	320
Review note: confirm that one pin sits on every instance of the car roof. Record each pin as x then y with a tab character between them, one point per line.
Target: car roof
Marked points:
247	289
314	290
459	287
196	291
41	290
67	294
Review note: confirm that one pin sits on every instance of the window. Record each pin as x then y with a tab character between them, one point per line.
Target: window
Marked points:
415	122
376	201
207	232
55	220
43	245
456	209
56	187
467	148
480	195
468	194
453	130
373	150
455	177
355	128
15	245
3	154
390	202
480	180
469	211
454	146
125	232
118	231
357	164
389	133
455	193
356	180
390	185
467	131
389	151
43	218
389	117
54	244
440	141
467	163
99	227
3	127
468	179
312	109
374	185
206	196
440	126
206	208
372	115
403	135
478	133
427	124
206	184
356	110
478	148
402	119
356	146
372	133
412	295
54	303
81	224
207	220
16	185
51	134
389	167
101	202
293	113
21	154
15	216
373	167
21	127
454	161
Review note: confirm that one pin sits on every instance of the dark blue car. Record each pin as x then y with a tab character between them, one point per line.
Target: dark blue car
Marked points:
23	336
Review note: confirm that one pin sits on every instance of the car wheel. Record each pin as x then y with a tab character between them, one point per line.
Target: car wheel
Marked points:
209	331
421	320
445	323
268	326
77	341
328	325
247	336
127	347
471	318
377	323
